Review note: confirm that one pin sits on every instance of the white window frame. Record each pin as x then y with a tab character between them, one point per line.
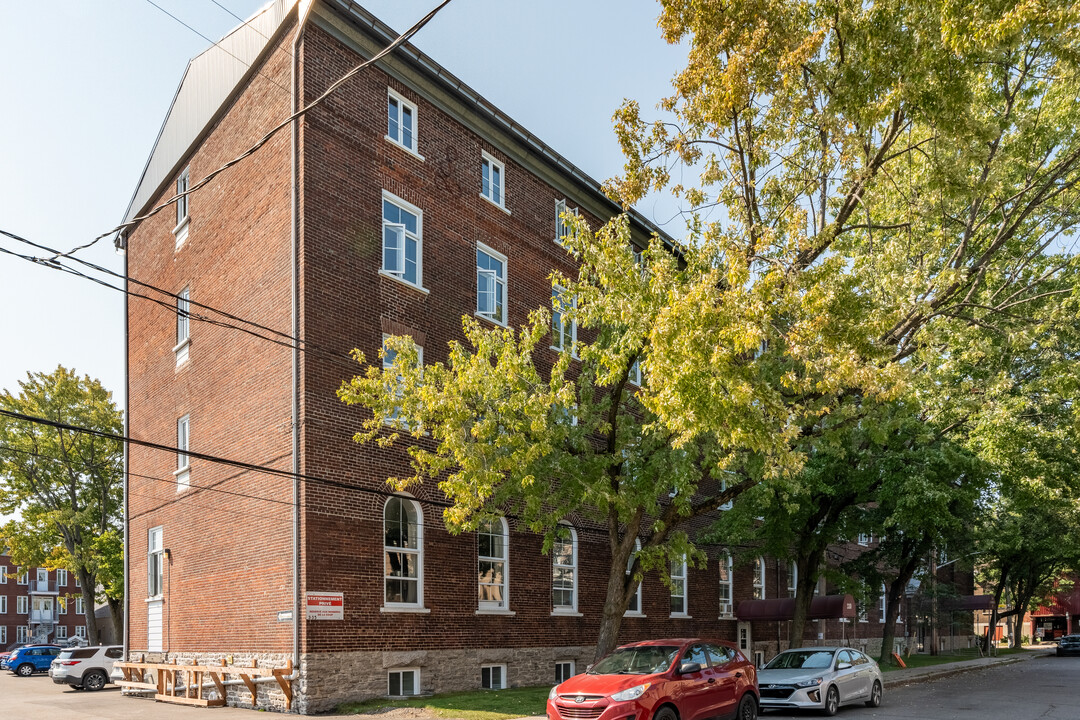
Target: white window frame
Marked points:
572	608
413	149
22	633
24	576
61	577
80	631
503	531
61	632
560	665
3	634
80	605
416	552
561	228
489	163
723	488
183	447
183	326
864	539
155	563
388	366
3	575
502	676
3	604
401	671
634	608
679	580
633	375
398	272
793	579
861	613
497	282
61	607
883	604
22	605
759	578
559	332
183	207
727	609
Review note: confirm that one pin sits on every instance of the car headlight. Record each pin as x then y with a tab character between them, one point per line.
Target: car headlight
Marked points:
631	693
554	692
809	683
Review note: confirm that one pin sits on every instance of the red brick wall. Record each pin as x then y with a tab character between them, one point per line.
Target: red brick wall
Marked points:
230	569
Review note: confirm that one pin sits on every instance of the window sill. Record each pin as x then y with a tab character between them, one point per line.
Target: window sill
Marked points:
492	202
178	472
566	613
405	609
681	616
156	598
634	614
494	611
489	319
725	617
181	352
404	282
407	149
181	231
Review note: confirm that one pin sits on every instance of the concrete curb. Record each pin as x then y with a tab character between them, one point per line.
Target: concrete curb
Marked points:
899	678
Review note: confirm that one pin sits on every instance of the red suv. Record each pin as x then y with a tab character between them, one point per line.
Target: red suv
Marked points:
661	680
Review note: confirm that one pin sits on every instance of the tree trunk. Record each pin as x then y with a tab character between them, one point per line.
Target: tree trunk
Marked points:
893	597
116	611
619	592
88	583
991	627
808	565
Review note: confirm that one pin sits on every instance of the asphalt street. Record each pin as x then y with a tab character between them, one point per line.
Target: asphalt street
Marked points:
1043	688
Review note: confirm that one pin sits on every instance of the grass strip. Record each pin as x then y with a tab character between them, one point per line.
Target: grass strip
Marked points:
470	705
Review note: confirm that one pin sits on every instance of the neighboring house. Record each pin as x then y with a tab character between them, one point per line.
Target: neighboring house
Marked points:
39	605
406	202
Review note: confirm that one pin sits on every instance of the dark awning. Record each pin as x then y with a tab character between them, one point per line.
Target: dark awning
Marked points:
823	607
968	602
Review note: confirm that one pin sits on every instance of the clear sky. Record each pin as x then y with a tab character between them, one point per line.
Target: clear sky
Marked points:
86	86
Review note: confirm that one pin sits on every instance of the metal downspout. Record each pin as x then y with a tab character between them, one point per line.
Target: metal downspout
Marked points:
294	190
127	433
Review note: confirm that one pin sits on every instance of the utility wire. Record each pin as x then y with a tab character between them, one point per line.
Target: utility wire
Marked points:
282	47
282	338
273	131
219	45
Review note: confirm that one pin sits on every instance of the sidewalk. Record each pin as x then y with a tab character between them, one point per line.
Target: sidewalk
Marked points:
896	678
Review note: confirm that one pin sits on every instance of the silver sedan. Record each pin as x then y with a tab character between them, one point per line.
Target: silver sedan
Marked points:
819	678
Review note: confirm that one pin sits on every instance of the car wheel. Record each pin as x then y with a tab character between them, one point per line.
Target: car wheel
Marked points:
25	670
875	696
666	713
94	680
747	708
832	701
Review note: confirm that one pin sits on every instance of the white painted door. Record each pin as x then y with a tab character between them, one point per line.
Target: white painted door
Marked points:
153	626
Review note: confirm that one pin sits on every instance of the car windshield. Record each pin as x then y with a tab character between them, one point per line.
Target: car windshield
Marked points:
799	659
639	660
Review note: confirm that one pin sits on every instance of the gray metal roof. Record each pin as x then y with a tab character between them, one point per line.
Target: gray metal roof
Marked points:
208	83
212	77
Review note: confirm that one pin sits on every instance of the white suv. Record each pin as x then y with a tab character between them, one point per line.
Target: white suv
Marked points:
88	668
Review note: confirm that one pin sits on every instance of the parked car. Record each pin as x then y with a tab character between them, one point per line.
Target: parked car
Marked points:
30	659
820	678
1069	645
88	668
11	649
684	679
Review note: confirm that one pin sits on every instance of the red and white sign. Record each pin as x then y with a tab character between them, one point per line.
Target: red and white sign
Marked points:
325	606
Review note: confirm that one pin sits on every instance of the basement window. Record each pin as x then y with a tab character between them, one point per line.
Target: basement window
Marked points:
403	682
493	677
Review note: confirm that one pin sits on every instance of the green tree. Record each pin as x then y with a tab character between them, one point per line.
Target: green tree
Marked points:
65	488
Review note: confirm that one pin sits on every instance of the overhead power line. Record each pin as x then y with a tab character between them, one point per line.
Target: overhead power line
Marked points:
273	131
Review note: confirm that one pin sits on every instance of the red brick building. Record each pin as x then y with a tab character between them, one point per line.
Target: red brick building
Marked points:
39	605
401	203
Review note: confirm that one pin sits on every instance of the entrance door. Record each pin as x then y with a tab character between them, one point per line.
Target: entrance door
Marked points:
42	580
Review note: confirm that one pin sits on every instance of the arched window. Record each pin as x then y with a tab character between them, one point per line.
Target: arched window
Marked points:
759	579
634	608
727	587
403	553
793	578
564	570
678	587
494	562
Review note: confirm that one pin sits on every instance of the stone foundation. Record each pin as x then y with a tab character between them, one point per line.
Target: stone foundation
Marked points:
329	679
269	695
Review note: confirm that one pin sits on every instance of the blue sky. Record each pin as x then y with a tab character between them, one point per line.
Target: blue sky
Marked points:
87	84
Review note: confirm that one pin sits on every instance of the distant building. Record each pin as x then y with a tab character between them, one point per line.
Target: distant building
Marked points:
39	605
